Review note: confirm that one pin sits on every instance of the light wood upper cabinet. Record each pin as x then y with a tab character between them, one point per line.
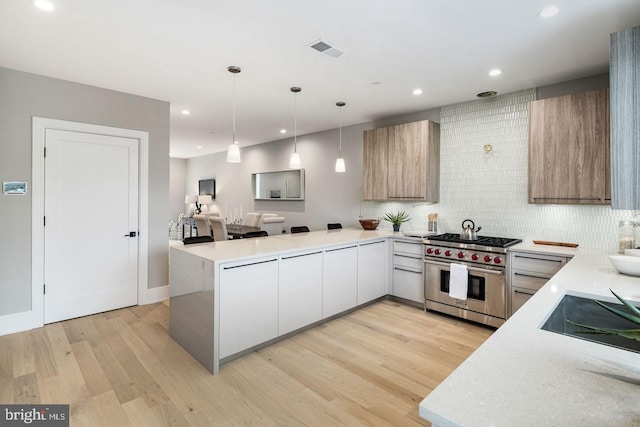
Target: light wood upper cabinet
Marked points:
376	146
402	162
569	143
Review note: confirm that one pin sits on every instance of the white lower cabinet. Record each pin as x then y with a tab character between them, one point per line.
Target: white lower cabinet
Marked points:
372	270
248	304
300	290
339	279
529	272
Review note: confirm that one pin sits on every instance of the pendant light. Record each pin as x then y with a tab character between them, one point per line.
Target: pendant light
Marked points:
294	163
233	152
340	160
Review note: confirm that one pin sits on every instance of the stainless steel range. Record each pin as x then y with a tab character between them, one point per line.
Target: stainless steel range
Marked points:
485	260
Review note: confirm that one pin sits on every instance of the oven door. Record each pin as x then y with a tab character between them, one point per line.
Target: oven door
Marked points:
486	294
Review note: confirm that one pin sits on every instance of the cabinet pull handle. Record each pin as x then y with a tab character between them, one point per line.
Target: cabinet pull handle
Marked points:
407	256
407	270
249	264
516	291
298	256
372	243
340	249
537	259
529	275
569	198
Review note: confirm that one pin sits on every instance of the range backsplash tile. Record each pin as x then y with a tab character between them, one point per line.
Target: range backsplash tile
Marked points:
491	189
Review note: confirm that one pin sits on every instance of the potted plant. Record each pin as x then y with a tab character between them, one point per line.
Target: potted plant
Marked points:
396	218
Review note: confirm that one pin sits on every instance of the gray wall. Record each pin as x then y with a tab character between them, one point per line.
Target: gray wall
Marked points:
23	95
177	187
330	196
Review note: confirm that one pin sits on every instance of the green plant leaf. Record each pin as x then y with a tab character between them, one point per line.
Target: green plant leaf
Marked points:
629	317
633	334
630	306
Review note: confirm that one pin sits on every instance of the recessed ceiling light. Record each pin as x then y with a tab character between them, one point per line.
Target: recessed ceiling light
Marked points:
198	146
44	5
487	94
376	84
185	112
283	131
417	91
548	12
495	72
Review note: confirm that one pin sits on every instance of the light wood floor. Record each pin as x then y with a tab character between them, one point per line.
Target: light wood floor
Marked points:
121	368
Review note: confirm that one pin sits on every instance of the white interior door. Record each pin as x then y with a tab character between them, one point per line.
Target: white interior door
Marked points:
91	206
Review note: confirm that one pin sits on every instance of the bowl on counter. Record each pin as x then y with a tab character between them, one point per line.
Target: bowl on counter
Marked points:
369	224
632	252
626	264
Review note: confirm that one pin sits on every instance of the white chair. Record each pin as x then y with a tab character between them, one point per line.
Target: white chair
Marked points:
271	223
252	219
218	227
202	223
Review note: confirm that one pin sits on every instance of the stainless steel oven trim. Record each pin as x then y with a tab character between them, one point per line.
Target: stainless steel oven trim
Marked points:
499	271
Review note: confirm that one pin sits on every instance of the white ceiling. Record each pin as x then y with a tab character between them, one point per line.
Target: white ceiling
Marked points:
179	51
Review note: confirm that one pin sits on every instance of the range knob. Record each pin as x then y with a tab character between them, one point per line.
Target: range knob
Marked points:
497	260
487	258
474	257
447	253
460	254
429	251
437	252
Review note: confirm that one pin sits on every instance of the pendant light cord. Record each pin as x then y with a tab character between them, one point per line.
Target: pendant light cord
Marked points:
340	115
234	109
295	121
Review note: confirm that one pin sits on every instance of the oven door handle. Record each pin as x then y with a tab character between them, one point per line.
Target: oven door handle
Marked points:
475	269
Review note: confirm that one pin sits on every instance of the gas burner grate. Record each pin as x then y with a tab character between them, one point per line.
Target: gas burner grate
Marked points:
496	242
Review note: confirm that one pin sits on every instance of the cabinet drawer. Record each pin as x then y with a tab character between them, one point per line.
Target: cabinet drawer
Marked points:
518	298
526	280
539	263
407	247
408	284
406	261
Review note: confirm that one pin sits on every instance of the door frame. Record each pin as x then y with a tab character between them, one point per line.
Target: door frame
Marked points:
39	126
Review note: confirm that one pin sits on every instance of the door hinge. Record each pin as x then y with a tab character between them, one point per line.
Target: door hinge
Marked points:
44	220
44	288
45	151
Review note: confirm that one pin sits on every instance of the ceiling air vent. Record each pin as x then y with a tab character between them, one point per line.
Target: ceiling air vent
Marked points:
327	48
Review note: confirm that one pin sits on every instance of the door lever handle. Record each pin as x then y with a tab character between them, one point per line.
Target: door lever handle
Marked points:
131	234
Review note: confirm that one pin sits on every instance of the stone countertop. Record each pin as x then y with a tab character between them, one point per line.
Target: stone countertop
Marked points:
526	376
241	249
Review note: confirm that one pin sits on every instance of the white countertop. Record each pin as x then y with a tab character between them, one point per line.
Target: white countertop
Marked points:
525	376
240	249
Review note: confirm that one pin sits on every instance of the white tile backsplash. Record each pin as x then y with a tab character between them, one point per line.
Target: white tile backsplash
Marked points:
492	189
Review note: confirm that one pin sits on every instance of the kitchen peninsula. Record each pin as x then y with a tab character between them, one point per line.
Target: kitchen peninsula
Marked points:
525	376
229	298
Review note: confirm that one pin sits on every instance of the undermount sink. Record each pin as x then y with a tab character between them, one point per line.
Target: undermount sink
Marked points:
585	311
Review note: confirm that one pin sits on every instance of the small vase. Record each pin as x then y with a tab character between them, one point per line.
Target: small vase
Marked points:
396	227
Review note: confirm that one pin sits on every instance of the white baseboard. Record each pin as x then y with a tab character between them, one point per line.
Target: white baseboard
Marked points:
20	322
155	295
17	322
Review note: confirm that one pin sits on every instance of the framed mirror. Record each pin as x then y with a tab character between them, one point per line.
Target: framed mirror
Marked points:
280	185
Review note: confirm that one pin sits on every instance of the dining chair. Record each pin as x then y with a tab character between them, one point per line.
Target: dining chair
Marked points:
260	233
299	229
219	228
252	219
334	226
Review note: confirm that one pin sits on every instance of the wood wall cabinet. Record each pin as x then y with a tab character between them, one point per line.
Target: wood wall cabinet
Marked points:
569	143
402	162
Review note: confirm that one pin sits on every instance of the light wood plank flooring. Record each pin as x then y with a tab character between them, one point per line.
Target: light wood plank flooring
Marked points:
121	368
